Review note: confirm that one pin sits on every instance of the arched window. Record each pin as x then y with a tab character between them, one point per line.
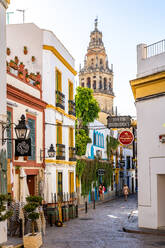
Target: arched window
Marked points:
100	85
110	86
88	82
94	138
101	61
105	84
94	84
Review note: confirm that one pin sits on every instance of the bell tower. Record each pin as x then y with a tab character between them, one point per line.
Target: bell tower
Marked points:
97	75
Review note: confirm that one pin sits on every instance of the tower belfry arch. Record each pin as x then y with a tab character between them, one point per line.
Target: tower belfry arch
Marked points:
96	71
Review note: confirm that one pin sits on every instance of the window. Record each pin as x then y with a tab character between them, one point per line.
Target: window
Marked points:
105	83
100	85
94	85
9	136
82	84
59	133
70	91
71	182
89	82
32	125
94	138
101	61
60	183
58	81
71	140
128	162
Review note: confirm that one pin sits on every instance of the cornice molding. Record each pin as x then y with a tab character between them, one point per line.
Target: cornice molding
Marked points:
60	57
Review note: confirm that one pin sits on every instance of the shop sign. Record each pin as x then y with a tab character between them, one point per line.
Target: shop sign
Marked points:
100	172
126	137
119	121
22	147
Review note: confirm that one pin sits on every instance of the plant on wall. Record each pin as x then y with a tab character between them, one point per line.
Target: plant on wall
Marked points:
87	171
8	52
112	145
33	58
25	50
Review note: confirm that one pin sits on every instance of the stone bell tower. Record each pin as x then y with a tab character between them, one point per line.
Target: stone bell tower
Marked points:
97	75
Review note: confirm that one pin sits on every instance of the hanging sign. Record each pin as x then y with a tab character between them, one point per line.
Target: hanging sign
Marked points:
100	172
126	137
119	121
22	147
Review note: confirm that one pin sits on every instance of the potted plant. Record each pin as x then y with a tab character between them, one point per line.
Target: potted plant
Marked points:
16	60
33	58
27	78
37	83
8	67
25	50
13	64
20	74
8	51
32	240
4	213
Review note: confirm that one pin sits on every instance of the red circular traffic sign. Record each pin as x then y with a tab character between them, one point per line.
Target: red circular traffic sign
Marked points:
126	137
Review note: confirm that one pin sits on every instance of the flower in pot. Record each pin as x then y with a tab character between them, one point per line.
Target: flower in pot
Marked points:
8	67
25	50
13	64
20	74
27	78
8	51
33	58
4	212
36	83
16	60
34	239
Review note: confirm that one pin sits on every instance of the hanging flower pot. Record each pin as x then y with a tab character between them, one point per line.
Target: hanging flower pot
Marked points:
33	58
8	51
25	50
20	74
27	78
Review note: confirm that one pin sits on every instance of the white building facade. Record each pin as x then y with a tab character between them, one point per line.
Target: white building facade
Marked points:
148	90
57	88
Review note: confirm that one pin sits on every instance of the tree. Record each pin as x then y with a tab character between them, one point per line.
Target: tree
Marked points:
87	108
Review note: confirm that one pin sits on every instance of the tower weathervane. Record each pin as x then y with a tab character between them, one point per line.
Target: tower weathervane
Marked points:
96	22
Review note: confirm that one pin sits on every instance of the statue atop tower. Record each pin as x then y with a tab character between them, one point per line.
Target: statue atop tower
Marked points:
97	75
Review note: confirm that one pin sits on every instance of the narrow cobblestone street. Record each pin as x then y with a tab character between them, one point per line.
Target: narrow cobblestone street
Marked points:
101	228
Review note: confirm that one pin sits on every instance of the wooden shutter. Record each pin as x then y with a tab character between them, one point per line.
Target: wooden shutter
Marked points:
31	123
9	136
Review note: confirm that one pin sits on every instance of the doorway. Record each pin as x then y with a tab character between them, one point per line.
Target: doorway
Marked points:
161	200
31	184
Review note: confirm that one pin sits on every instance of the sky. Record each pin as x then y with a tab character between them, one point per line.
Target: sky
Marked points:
124	24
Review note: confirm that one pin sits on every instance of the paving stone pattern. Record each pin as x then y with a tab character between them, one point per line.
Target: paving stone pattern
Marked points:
101	228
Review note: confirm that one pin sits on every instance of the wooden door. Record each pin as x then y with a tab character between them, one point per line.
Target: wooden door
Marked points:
31	184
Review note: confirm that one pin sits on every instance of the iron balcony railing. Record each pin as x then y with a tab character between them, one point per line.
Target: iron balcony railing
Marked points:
60	99
72	154
60	152
72	108
155	48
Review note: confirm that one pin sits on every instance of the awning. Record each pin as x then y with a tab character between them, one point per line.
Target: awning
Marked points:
31	171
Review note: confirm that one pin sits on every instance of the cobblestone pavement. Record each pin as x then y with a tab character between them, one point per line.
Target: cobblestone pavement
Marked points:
101	228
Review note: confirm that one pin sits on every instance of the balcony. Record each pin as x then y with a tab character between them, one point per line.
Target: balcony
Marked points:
72	154
60	100
60	152
72	108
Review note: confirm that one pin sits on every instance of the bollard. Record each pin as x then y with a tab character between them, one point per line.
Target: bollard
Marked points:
86	207
76	211
94	204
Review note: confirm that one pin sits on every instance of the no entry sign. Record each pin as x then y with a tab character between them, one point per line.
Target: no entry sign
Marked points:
126	138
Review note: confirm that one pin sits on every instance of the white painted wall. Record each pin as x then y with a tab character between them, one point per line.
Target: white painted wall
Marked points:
151	65
151	159
27	34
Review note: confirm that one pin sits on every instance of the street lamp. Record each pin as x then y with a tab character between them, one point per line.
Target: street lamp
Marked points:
51	151
22	131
